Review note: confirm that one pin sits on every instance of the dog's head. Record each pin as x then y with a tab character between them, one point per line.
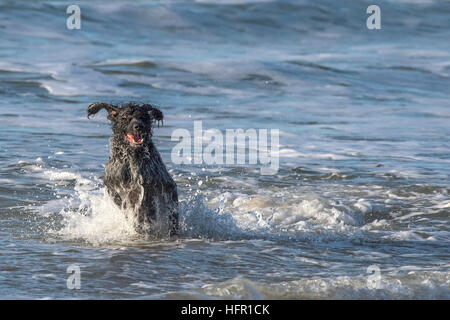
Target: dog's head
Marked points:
131	122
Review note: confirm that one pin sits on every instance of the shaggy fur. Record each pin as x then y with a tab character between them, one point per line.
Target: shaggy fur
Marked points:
135	175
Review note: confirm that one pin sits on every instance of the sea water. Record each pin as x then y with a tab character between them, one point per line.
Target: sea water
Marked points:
358	209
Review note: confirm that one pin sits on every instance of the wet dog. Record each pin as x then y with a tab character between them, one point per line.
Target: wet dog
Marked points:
135	175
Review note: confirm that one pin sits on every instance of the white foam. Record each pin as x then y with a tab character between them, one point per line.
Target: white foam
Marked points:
4	181
442	205
403	235
404	285
96	220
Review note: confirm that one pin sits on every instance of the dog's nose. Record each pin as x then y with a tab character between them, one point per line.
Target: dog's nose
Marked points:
137	126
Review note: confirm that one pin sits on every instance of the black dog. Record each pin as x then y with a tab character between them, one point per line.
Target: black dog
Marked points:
135	176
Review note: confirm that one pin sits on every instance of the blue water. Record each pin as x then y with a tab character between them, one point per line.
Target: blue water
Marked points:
364	120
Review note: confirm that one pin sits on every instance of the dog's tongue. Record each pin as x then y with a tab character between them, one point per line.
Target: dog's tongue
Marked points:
134	139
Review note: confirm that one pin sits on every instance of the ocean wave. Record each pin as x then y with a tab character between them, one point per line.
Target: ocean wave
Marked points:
407	285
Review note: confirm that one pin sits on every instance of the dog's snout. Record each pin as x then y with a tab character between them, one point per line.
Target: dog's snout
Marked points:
137	126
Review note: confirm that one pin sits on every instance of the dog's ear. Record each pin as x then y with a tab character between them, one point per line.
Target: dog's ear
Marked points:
97	106
155	113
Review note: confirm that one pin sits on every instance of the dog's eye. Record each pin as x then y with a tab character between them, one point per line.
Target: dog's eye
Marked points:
126	117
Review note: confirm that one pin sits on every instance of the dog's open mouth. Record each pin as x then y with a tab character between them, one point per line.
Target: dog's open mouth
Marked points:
135	139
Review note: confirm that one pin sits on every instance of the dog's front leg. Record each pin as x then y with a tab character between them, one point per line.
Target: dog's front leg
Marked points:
116	197
173	212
